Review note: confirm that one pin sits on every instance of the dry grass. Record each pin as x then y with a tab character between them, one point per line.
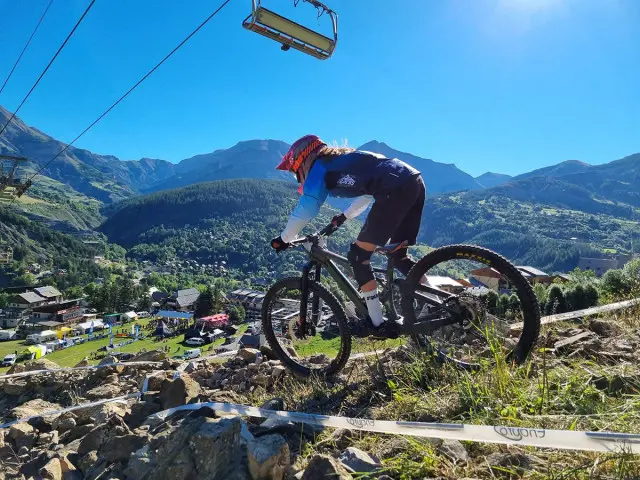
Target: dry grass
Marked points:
553	391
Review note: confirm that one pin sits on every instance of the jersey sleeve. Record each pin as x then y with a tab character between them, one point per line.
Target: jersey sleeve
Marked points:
358	206
314	194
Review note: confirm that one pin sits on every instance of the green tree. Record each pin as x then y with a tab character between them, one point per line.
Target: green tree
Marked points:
541	292
514	304
237	314
204	305
491	301
503	305
127	294
24	279
576	298
217	299
615	283
591	295
74	292
632	272
556	302
4	299
144	302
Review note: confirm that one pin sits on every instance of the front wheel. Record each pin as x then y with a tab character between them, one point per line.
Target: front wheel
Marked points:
324	345
491	295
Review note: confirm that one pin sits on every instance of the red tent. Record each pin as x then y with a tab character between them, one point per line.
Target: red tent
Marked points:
213	321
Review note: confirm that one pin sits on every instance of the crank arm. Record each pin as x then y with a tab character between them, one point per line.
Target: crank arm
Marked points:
426	327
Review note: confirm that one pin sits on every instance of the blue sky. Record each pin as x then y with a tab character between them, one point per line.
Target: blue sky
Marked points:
499	85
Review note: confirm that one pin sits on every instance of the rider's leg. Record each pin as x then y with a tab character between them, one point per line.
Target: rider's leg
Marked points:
360	259
389	208
409	226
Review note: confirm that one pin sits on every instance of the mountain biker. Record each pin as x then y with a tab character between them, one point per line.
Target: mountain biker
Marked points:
396	188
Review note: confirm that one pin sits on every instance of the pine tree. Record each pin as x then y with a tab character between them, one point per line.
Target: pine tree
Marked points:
491	301
217	299
514	304
556	302
205	304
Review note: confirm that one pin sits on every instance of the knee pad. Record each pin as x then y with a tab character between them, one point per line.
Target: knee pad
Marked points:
360	260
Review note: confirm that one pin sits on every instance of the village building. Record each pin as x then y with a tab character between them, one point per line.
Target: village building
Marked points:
183	300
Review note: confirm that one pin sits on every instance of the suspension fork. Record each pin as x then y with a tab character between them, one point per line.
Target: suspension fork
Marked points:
316	310
315	303
392	314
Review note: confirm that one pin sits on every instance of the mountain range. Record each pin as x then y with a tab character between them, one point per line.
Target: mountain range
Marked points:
109	179
559	203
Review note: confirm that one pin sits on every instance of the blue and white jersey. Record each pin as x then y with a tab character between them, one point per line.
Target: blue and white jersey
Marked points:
357	174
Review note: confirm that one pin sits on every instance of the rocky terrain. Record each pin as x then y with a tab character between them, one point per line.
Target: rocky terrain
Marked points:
584	376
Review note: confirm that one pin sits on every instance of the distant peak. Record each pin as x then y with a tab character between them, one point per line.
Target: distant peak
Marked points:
576	162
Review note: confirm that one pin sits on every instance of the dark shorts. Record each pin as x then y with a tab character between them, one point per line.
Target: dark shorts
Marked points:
396	214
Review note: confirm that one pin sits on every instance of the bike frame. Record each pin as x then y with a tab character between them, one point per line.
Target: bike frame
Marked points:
321	257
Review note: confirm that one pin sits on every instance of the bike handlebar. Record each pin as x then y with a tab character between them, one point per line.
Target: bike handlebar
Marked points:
327	231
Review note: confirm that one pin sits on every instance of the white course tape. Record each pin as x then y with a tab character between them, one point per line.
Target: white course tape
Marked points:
534	437
71	409
70	369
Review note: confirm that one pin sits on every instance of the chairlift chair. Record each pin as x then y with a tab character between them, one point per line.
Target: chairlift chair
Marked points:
10	185
291	34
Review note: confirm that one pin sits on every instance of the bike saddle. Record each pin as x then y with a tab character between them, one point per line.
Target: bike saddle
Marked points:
391	248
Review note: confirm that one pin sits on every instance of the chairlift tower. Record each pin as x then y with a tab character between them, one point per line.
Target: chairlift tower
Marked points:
11	186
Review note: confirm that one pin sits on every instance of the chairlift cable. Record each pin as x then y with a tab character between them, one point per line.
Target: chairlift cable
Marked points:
131	89
26	46
49	65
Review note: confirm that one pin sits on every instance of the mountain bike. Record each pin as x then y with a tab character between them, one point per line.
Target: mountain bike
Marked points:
308	322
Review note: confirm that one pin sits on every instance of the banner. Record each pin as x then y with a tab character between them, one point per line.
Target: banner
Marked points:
91	330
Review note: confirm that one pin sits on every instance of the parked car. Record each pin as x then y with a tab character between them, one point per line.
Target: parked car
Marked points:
194	353
195	341
9	360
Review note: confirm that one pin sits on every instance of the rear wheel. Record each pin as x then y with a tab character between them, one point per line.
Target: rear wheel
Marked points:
492	296
325	345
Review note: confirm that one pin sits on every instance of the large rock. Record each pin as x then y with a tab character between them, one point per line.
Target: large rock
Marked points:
155	381
359	461
268	457
33	408
52	470
40	364
268	352
198	447
512	461
180	391
64	422
100	392
23	435
100	413
97	437
263	380
120	448
82	363
79	431
15	387
108	360
88	461
454	450
248	354
150	356
324	466
48	439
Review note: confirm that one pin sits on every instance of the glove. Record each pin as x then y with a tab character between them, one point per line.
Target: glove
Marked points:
278	244
338	220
